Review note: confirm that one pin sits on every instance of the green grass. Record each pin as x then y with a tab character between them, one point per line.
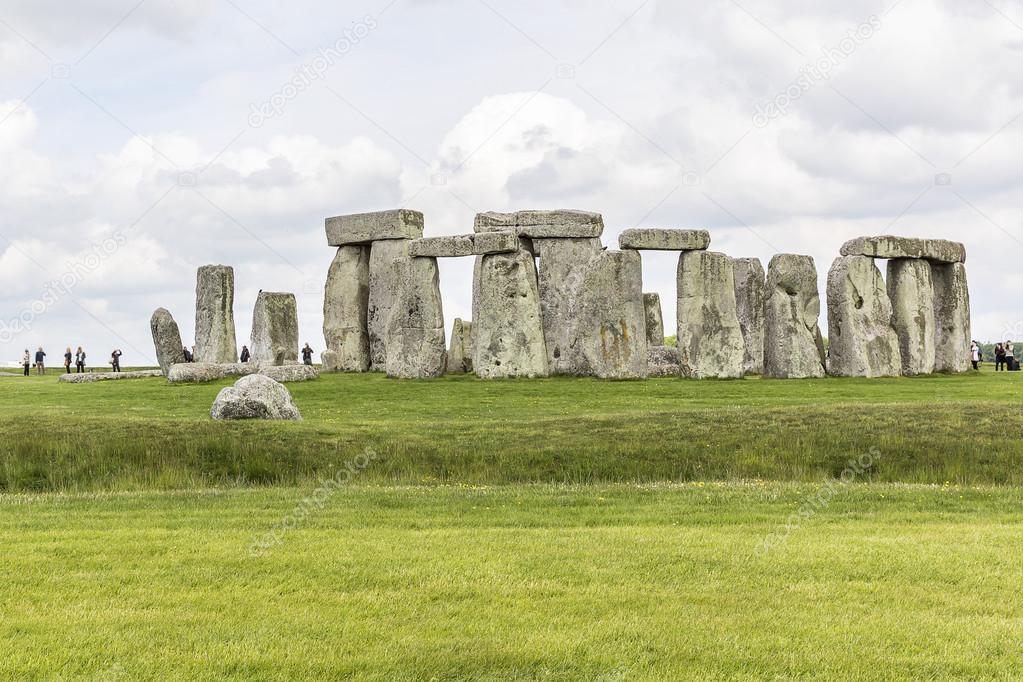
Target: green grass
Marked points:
147	434
624	582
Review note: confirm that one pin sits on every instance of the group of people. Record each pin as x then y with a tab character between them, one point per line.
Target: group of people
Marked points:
77	359
307	354
1005	357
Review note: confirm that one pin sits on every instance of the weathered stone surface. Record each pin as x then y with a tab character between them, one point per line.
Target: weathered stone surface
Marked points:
89	377
887	246
861	339
460	350
363	228
911	291
346	310
214	315
749	306
239	369
663	361
650	239
498	242
952	337
508	338
274	329
441	247
654	319
415	333
610	319
195	373
255	397
709	338
288	373
383	292
793	344
166	339
562	263
557	224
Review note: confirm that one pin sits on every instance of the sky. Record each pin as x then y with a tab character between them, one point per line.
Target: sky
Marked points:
140	140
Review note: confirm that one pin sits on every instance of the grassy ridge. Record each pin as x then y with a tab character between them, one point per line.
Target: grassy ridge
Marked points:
146	434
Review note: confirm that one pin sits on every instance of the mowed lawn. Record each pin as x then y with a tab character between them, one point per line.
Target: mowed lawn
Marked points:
598	582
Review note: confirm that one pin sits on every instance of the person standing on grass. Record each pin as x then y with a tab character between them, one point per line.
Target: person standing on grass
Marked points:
245	354
80	360
67	360
26	360
999	357
1010	358
40	361
115	360
975	354
307	354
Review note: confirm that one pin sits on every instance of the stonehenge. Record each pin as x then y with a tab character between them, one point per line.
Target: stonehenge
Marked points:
709	339
951	317
274	329
749	306
664	240
562	262
366	228
793	344
255	397
935	250
911	290
610	318
861	339
214	314
345	311
166	339
383	291
460	348
415	347
654	319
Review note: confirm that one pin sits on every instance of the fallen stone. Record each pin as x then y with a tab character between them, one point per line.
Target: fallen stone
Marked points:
274	329
460	350
861	339
562	264
508	336
557	224
195	373
663	361
649	239
214	315
887	246
363	228
710	341
239	369
346	311
166	339
793	344
415	337
951	318
654	319
749	306
610	319
288	373
383	291
89	377
911	291
255	397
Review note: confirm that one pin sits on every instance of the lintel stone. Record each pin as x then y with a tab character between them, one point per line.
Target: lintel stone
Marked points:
651	239
887	246
364	228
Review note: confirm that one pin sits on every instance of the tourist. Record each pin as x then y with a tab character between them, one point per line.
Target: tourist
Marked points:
115	360
999	357
67	360
40	364
26	360
187	354
975	354
1010	359
80	360
245	354
307	354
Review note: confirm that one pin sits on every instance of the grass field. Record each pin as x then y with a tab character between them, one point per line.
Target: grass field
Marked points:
557	529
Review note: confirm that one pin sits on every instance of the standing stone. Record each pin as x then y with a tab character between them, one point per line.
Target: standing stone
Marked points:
610	317
383	291
415	331
709	338
562	263
861	339
793	344
345	311
951	318
654	319
460	350
214	315
912	293
274	329
749	305
166	339
508	337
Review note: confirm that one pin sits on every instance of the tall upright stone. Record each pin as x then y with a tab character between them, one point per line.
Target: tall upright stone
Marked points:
861	339
749	305
562	264
415	332
911	290
345	311
508	337
274	329
214	315
793	344
654	319
384	289
610	316
952	337
460	348
709	338
166	339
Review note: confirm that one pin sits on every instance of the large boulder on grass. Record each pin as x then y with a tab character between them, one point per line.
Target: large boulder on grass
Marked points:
255	397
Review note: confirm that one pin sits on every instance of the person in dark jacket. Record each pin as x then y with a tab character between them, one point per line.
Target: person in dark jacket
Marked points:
80	360
307	354
115	360
186	353
40	361
67	360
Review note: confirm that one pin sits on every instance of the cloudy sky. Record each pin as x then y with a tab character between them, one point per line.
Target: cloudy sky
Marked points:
140	140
